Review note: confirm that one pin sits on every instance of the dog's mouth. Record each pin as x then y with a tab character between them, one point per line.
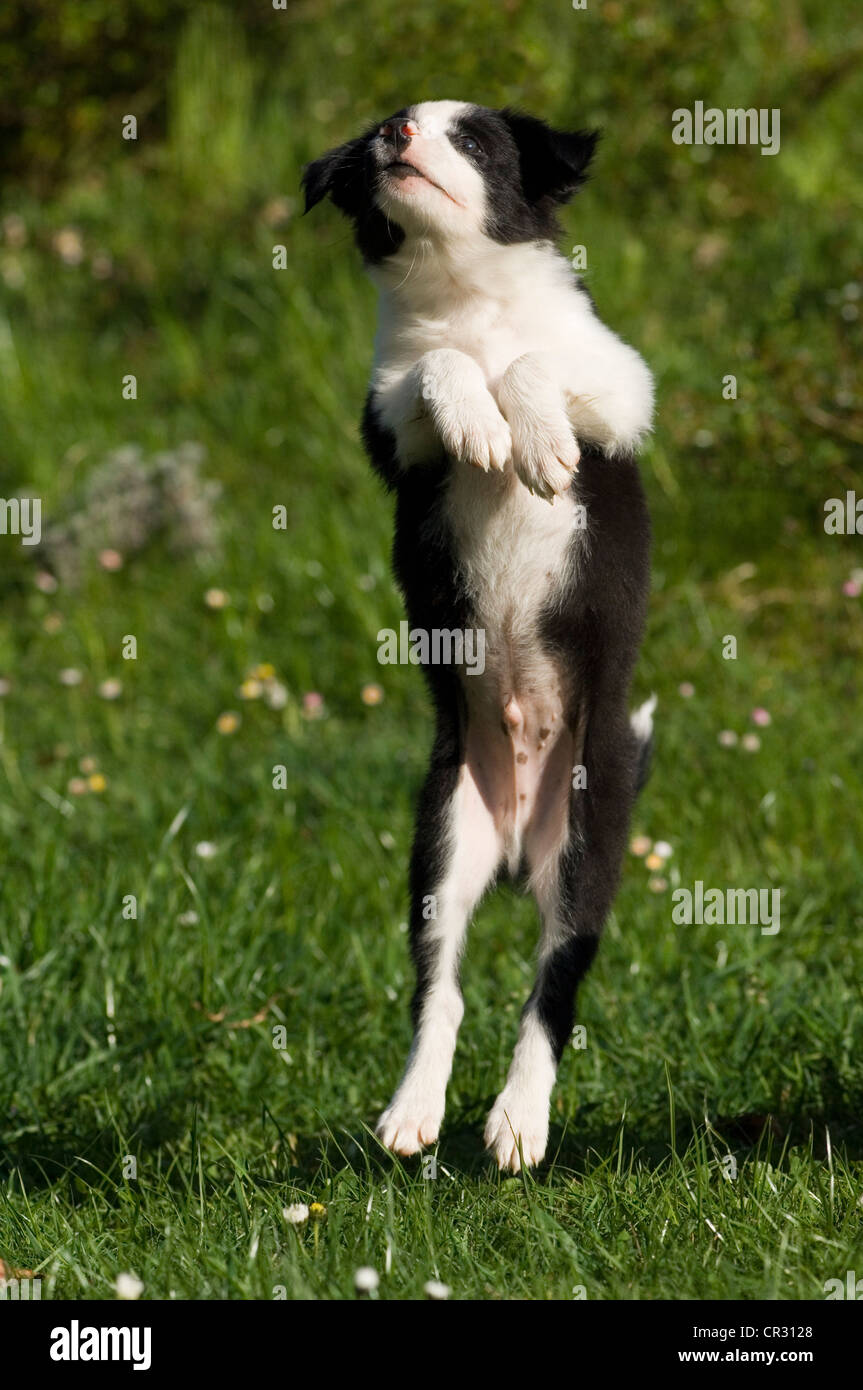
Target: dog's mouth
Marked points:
400	169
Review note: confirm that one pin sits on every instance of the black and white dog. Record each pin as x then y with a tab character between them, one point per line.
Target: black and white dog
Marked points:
504	416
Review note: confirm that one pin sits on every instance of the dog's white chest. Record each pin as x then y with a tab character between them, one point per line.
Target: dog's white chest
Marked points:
513	553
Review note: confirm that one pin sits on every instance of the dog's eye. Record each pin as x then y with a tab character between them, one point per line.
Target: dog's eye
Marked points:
469	145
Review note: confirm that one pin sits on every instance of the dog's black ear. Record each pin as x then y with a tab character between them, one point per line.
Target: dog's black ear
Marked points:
339	173
553	162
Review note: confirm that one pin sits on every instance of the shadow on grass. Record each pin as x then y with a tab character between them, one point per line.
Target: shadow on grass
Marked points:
83	1157
87	1157
833	1123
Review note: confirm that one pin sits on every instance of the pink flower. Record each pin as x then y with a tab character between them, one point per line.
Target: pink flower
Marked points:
851	589
761	717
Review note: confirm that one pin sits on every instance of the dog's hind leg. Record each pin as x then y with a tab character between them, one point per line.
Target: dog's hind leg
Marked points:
574	851
457	849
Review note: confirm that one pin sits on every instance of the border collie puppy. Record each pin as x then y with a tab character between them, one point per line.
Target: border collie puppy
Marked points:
504	415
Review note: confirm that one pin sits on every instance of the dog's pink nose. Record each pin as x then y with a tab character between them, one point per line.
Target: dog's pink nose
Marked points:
398	133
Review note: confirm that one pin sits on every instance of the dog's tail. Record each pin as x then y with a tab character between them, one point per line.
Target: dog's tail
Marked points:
641	721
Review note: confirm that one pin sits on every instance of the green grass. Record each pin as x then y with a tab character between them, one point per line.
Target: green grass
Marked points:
120	1036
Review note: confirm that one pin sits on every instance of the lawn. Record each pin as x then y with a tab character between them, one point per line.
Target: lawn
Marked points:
204	978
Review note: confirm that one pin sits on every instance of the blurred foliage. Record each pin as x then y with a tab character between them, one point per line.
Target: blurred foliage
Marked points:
72	68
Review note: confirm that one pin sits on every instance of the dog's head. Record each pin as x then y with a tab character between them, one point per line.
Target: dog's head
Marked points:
451	172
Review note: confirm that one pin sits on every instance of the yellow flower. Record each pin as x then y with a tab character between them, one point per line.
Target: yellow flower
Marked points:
318	1214
228	723
653	861
372	694
97	782
251	689
69	245
264	672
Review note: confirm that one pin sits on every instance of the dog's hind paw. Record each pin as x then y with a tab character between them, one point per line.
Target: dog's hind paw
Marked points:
515	1120
408	1124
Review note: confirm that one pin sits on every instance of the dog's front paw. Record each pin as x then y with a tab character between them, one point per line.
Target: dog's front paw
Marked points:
545	454
409	1122
474	431
516	1118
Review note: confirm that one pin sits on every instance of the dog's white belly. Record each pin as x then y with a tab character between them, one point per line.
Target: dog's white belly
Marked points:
515	554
